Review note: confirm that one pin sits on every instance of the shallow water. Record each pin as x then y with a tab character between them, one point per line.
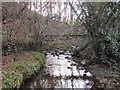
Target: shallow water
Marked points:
60	71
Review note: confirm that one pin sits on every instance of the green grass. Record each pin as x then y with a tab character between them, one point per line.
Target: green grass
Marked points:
11	79
37	55
14	74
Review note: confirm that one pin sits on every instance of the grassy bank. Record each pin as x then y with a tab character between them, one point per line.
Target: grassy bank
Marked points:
20	66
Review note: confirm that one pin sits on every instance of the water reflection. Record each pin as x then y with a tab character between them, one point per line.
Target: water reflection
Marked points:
61	72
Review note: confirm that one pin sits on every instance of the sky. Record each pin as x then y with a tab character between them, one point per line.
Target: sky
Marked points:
64	13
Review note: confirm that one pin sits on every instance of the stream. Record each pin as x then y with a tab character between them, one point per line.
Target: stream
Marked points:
61	71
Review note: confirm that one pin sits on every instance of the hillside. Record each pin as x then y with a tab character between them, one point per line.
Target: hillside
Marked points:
21	23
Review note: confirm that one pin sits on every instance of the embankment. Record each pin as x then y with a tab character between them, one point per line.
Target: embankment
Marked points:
20	66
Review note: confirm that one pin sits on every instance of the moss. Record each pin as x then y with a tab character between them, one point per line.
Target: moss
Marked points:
15	72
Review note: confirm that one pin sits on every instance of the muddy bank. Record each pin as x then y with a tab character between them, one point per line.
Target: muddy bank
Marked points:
107	78
20	66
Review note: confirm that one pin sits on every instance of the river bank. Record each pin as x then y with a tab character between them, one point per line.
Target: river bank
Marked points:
20	66
107	77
